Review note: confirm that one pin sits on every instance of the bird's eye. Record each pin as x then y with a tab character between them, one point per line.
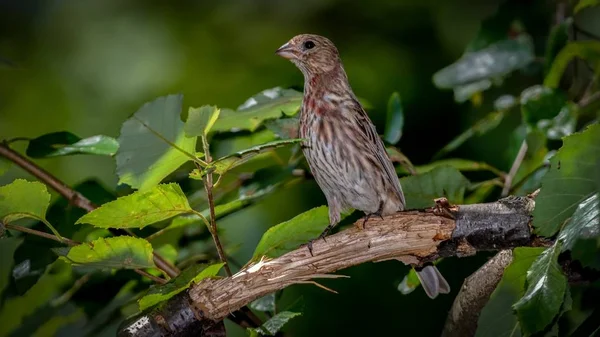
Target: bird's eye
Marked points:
309	44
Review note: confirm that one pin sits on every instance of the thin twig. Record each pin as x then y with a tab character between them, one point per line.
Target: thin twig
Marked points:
515	168
72	243
208	186
72	196
66	296
528	176
41	234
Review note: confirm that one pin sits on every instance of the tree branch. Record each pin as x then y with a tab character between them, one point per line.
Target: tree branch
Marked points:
473	296
413	237
73	197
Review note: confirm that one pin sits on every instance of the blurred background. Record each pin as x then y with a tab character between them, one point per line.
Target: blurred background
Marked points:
85	66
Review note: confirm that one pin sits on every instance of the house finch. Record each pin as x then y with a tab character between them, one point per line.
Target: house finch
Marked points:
342	147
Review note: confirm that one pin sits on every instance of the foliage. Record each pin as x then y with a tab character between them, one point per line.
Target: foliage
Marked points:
226	169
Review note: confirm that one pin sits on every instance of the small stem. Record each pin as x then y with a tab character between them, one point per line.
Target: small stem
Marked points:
208	186
527	177
72	243
514	169
18	139
72	196
66	296
150	276
22	229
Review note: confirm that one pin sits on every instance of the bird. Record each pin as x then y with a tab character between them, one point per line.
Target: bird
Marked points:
341	145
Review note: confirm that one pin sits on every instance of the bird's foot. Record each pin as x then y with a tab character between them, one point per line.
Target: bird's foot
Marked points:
309	245
369	216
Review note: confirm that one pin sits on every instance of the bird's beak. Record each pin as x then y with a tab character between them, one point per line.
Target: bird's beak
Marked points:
286	51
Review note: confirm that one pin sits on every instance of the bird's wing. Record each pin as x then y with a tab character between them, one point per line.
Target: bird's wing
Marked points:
376	144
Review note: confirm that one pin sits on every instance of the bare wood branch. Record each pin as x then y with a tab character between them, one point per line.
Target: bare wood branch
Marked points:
474	294
413	237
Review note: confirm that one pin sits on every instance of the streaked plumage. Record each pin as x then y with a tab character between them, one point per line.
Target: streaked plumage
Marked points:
344	152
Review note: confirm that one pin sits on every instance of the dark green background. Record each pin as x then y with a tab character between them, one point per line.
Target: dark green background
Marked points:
85	66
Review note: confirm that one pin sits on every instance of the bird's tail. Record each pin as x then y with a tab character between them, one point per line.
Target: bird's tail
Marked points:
433	282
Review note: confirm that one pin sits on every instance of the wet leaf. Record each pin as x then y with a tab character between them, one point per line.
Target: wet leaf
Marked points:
463	93
541	103
153	143
395	120
497	317
584	224
65	143
140	209
276	323
546	286
442	181
571	179
268	104
194	274
495	60
201	120
505	102
121	252
265	303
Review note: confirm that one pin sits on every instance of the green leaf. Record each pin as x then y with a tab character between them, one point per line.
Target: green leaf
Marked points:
8	246
395	120
201	120
265	303
284	128
569	181
586	251
582	4
224	164
557	39
153	143
546	285
488	123
16	309
497	318
25	199
193	274
463	93
587	50
65	143
409	283
584	224
275	323
5	165
121	252
140	209
495	60
268	104
293	233
459	164
541	103
443	181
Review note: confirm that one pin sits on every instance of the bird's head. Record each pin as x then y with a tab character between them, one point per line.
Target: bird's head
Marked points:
312	54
